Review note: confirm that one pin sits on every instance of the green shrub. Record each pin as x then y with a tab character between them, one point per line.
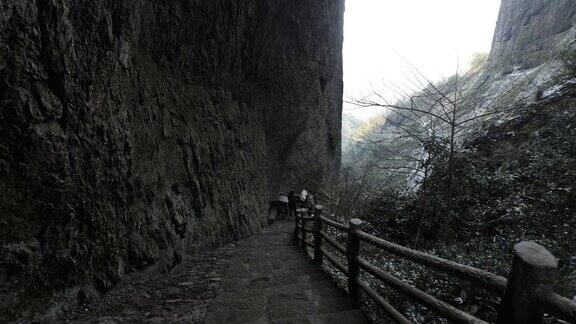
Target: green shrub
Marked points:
568	59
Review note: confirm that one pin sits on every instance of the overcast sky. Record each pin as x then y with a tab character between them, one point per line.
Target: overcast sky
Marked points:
382	36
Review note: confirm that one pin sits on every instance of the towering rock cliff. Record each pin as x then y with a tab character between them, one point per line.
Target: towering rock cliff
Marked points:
135	132
526	60
529	31
527	64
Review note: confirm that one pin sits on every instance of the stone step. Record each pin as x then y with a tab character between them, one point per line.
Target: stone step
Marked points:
307	274
294	320
346	317
262	281
246	271
324	284
267	235
270	257
280	308
297	291
242	265
334	305
257	244
269	239
270	248
354	316
266	232
247	310
275	307
271	253
314	276
268	280
330	292
283	306
251	281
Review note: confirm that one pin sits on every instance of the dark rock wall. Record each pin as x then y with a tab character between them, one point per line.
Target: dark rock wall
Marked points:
134	132
529	30
303	87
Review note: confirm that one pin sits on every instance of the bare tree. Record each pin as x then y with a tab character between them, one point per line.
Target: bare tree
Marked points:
424	113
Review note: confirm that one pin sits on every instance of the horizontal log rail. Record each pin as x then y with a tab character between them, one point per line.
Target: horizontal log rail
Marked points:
484	278
389	309
334	224
307	230
526	293
333	242
339	265
441	307
563	307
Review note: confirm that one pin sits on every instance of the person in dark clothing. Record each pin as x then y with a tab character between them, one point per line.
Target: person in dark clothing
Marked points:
291	205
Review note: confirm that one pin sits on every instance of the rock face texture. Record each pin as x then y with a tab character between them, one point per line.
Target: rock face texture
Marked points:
532	53
135	132
528	31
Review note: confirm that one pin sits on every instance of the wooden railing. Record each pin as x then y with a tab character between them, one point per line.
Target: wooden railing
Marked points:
526	294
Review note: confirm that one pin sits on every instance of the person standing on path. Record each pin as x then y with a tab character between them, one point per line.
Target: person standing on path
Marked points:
291	205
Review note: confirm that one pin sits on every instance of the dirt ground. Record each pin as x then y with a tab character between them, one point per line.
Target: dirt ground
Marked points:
180	296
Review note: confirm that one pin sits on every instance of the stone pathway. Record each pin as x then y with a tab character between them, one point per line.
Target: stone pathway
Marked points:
262	279
270	280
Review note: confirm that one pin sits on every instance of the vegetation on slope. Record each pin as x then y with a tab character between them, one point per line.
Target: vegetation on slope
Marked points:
512	180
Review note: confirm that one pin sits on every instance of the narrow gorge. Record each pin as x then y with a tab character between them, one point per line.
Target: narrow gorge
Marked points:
183	161
134	134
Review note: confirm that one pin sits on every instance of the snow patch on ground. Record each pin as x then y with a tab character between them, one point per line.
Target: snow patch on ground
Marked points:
558	90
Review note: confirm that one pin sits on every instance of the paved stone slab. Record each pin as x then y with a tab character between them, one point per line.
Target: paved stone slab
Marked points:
271	280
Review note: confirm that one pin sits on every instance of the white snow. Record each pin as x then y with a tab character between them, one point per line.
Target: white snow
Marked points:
557	90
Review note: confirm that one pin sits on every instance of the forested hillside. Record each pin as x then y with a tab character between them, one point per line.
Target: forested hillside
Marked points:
468	166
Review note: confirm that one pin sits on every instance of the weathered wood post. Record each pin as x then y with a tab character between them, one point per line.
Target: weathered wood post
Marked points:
352	254
533	271
296	215
317	236
303	233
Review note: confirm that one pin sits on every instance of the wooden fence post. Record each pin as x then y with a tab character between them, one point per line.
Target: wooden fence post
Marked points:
296	226
303	233
352	254
317	236
533	271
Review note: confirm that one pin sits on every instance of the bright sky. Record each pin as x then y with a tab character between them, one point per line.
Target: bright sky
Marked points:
436	36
